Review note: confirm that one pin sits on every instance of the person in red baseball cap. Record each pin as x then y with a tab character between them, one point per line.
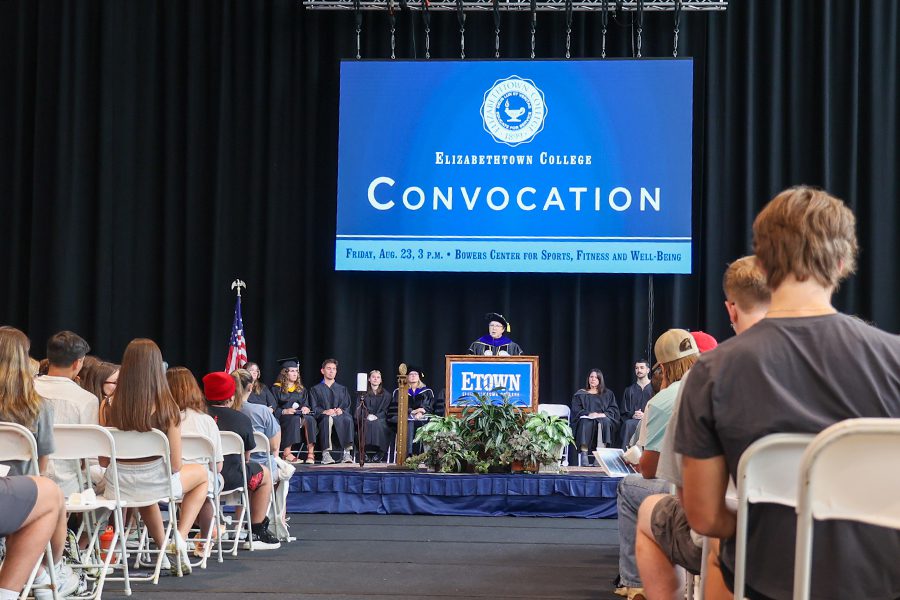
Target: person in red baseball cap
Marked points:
219	389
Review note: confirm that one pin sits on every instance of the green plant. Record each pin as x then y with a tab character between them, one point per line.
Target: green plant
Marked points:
550	432
523	447
487	424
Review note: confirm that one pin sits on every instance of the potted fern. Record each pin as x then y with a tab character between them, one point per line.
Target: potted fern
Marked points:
552	434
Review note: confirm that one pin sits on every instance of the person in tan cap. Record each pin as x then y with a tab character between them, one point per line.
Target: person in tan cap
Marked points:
676	351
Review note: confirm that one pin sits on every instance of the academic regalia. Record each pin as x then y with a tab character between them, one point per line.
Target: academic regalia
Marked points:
488	346
379	432
584	403
324	398
634	398
292	426
265	397
421	397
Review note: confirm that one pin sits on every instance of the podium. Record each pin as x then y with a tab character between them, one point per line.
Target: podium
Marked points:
515	376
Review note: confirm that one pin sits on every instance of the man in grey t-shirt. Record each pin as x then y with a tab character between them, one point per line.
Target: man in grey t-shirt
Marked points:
802	368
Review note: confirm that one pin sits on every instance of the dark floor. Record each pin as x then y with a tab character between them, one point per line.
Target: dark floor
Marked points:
340	557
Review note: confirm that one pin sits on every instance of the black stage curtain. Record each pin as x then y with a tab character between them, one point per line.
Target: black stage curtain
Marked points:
153	151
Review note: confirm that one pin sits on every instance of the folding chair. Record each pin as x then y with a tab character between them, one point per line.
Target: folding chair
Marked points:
767	474
239	496
868	448
278	500
143	444
564	412
80	443
199	448
17	443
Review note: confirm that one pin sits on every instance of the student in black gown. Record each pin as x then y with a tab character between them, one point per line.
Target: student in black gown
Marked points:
495	343
330	402
420	405
379	434
259	391
594	407
294	412
634	401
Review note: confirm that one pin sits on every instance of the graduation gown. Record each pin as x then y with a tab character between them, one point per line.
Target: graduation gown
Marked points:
421	397
295	428
634	398
378	432
324	398
486	343
265	397
584	403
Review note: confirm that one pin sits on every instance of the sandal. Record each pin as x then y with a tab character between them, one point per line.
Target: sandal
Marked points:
310	459
289	457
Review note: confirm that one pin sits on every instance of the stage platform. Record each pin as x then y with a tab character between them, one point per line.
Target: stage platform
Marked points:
380	489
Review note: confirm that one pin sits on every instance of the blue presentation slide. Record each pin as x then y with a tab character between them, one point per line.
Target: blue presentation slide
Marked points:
515	166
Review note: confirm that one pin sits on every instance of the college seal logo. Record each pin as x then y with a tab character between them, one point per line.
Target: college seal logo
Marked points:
513	111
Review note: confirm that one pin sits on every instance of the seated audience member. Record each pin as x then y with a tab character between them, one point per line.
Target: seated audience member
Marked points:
218	387
260	392
664	538
496	342
802	368
420	405
594	408
331	405
101	381
634	401
379	434
195	419
261	418
19	402
72	405
676	351
293	410
34	513
144	402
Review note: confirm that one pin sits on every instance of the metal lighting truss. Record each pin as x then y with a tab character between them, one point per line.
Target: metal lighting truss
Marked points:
520	5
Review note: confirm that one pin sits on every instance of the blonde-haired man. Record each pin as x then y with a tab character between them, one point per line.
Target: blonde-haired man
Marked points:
802	368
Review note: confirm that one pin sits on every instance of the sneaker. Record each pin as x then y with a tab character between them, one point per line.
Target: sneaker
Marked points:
178	545
346	458
636	594
66	582
378	457
262	539
327	459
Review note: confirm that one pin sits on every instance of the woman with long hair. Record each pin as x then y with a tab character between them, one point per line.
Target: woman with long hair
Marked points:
144	402
196	419
101	380
294	413
259	391
379	434
261	417
593	407
19	402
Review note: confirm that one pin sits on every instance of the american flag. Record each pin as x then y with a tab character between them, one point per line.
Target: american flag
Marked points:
237	348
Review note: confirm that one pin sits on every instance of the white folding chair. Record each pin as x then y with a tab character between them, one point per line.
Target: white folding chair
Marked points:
142	445
198	448
564	412
80	443
239	496
278	500
767	474
868	448
17	443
